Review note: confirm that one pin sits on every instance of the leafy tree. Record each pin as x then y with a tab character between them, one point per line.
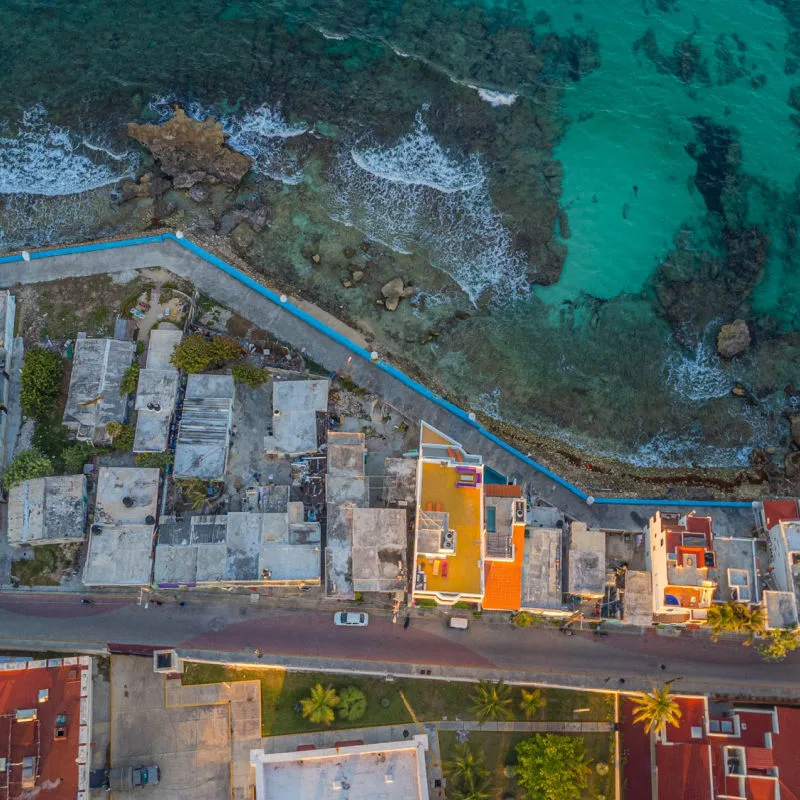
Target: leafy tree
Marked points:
531	702
656	709
198	354
779	643
26	466
551	767
195	492
155	460
352	703
319	706
492	701
40	382
249	374
129	380
75	456
122	436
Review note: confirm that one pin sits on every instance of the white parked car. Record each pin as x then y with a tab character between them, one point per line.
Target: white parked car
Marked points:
351	618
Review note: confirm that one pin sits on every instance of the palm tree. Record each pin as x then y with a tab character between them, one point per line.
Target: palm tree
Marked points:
352	703
318	706
756	624
728	616
531	702
492	701
195	492
656	709
467	774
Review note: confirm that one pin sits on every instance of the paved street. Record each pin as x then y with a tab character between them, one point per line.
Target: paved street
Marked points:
270	317
233	629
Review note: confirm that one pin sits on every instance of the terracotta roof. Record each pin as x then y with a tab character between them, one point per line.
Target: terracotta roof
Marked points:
501	490
787	754
683	772
693	711
762	789
503	579
777	510
20	690
636	753
759	758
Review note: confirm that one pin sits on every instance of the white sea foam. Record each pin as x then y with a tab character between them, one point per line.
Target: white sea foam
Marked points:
698	376
38	158
416	195
338	37
496	98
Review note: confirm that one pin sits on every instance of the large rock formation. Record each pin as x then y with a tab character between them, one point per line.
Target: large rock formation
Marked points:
733	339
191	152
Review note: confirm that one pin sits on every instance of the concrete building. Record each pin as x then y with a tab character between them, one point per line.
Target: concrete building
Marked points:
780	609
380	538
345	490
780	522
542	590
449	542
277	548
586	561
94	397
156	393
205	427
7	317
46	728
295	405
389	771
47	511
682	561
637	602
504	531
120	551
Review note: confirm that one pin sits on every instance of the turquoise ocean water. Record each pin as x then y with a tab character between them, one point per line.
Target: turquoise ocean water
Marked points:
581	192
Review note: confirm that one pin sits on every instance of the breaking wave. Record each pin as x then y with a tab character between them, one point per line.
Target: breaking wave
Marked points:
416	195
260	134
38	158
700	375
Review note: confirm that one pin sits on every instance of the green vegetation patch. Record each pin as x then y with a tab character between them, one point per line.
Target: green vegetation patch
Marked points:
48	563
196	353
282	691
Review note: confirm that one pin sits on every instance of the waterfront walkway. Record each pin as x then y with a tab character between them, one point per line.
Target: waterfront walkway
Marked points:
331	344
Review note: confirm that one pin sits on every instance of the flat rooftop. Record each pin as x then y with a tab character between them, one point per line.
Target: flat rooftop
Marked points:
126	496
44	755
94	397
587	560
401	483
295	405
380	538
339	551
47	510
736	570
637	608
120	551
463	572
387	771
781	608
345	479
204	431
156	392
238	547
541	570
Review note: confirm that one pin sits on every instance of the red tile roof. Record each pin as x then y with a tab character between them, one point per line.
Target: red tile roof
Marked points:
636	772
762	789
693	711
777	510
57	765
787	754
501	490
683	772
759	758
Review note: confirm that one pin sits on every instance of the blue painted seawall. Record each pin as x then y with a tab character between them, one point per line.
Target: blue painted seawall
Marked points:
337	337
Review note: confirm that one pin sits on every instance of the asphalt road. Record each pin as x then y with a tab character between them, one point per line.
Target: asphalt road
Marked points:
234	630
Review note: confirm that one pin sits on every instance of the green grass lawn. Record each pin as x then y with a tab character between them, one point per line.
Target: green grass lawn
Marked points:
431	700
500	758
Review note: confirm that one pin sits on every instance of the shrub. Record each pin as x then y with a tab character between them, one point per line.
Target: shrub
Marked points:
522	619
155	460
198	354
121	435
40	382
75	456
129	380
551	767
352	703
249	374
26	466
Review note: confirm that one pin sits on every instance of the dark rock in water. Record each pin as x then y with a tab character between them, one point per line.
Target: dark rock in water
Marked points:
718	158
243	237
349	252
198	193
563	224
794	97
191	152
686	61
791	464
794	428
740	390
733	339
